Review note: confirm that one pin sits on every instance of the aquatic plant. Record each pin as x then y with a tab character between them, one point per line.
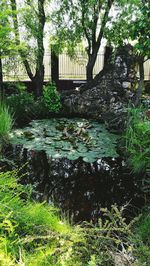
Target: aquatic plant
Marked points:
68	138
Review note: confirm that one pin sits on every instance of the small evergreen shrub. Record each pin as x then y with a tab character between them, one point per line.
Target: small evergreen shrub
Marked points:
51	98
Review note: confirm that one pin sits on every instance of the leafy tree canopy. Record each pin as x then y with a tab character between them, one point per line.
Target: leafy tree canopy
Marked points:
132	24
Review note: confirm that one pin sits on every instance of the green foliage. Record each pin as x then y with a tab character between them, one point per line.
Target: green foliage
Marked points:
25	107
141	240
137	138
51	98
6	122
131	24
69	138
8	46
32	234
143	229
5	28
22	105
141	30
77	21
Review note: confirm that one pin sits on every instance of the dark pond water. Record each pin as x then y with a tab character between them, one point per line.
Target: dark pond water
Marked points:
78	186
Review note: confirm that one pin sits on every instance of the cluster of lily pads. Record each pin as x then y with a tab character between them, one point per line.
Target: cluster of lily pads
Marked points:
67	138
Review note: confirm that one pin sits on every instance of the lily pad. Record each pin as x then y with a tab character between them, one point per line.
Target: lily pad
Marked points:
68	138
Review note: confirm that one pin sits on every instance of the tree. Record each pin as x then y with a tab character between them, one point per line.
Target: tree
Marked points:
7	45
133	24
82	19
33	18
5	38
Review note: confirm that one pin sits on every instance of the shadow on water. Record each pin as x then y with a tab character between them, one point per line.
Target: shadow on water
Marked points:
78	188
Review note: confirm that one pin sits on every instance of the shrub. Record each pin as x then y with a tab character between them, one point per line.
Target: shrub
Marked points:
22	105
26	108
137	138
51	98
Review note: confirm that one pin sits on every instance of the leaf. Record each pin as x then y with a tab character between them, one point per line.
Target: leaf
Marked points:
86	139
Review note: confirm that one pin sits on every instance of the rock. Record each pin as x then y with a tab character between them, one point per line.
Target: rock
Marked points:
107	97
126	85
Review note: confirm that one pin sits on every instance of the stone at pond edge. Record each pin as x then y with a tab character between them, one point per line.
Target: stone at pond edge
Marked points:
108	96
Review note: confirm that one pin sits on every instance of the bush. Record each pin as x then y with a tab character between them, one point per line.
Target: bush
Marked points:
137	138
51	98
26	108
22	105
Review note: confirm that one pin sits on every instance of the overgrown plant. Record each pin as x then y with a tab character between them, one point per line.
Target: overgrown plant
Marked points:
31	233
51	98
6	122
137	137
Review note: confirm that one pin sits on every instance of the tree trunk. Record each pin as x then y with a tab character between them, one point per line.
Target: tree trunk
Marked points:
38	78
54	66
38	82
90	66
141	82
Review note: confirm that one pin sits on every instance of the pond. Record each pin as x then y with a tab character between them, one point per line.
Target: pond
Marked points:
68	138
74	164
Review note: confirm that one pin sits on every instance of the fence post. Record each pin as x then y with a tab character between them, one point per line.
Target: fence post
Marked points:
54	66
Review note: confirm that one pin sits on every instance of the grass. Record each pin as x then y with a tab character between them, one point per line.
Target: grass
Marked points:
137	138
6	124
30	233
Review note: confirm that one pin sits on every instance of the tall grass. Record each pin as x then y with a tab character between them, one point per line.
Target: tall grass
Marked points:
137	138
6	121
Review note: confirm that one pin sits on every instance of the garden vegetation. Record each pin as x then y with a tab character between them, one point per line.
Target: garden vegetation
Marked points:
35	234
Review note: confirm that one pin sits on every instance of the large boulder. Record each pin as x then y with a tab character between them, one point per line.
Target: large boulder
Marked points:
107	97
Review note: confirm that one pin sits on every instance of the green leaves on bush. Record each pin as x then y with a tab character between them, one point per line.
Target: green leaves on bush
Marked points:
22	105
51	98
